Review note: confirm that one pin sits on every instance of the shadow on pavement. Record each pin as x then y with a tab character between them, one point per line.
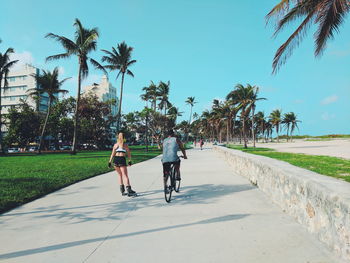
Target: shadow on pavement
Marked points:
102	239
188	195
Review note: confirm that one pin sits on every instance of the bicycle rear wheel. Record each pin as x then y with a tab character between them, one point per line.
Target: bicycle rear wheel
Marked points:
168	189
177	182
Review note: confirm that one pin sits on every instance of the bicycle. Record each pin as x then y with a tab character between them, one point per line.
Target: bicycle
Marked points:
171	184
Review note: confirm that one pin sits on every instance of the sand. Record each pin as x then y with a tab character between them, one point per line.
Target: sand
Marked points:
335	147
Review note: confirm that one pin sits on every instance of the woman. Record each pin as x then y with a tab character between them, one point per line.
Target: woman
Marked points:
120	149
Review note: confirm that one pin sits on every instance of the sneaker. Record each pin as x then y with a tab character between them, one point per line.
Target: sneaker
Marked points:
122	190
130	191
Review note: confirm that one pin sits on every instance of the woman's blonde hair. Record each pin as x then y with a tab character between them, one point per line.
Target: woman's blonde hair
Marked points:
120	138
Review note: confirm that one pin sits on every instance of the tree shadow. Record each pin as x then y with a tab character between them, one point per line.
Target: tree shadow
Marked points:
188	195
102	239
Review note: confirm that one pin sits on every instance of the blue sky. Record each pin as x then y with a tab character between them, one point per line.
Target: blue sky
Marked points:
203	47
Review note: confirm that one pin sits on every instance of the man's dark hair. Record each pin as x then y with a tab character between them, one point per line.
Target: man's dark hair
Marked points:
171	133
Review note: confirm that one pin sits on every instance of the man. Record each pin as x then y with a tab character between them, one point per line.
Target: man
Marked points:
171	145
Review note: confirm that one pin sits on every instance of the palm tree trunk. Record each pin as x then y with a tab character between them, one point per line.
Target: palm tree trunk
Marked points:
147	130
234	126
44	128
76	117
229	125
120	103
244	134
189	125
1	146
253	132
277	128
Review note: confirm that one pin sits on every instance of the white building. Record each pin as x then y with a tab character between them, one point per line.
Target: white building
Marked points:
105	91
18	83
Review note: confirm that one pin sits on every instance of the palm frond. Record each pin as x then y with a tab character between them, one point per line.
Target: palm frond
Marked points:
286	50
58	56
129	73
98	66
68	44
329	19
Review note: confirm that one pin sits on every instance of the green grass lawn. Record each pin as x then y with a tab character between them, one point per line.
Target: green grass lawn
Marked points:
26	177
326	165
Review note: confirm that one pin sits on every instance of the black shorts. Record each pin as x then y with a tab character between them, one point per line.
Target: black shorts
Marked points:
119	161
166	166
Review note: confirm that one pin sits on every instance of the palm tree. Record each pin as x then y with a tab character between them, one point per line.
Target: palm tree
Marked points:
246	96
85	41
260	122
275	119
294	123
254	99
287	122
328	15
163	93
191	101
233	101
174	112
152	93
5	65
119	59
49	84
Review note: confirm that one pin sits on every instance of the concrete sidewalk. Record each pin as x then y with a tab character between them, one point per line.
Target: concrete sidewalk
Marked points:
217	217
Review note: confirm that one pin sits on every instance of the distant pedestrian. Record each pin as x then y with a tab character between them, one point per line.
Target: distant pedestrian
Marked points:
118	156
201	142
195	142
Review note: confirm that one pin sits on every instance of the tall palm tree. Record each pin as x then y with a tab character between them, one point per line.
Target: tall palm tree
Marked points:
5	65
152	93
163	93
246	96
260	122
146	97
174	112
294	123
85	41
327	15
119	59
286	121
253	101
233	101
276	119
191	101
49	84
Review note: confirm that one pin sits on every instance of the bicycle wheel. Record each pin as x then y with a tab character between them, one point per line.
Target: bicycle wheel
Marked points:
177	182
168	189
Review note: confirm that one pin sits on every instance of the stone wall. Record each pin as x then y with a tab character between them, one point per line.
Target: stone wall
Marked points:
320	203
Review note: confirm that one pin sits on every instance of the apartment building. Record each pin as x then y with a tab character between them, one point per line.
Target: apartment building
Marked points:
18	83
105	91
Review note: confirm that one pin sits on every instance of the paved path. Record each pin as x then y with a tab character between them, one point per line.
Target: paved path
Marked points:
336	148
217	217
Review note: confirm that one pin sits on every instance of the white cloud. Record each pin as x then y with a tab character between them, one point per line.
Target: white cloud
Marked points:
329	100
327	116
61	70
23	58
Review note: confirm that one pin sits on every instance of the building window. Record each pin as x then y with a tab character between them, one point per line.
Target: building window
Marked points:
12	98
11	79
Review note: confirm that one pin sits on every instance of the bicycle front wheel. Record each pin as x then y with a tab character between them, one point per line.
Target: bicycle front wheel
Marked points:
168	189
177	182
